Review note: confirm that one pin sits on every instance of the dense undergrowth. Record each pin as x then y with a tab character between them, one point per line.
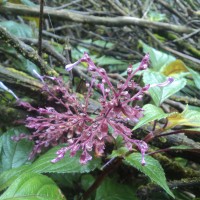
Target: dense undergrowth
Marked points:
81	123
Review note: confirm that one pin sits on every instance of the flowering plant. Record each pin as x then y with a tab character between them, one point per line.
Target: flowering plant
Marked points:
72	124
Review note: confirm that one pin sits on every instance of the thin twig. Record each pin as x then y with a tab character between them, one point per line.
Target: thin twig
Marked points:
113	165
40	28
27	51
91	19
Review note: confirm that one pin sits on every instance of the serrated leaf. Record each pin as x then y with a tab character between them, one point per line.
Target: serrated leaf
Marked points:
7	177
112	190
66	180
159	94
151	113
44	165
120	152
186	118
17	29
33	186
14	154
174	68
157	58
66	165
152	169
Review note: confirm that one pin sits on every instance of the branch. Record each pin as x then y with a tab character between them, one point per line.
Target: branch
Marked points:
186	100
16	77
83	18
174	168
25	50
145	191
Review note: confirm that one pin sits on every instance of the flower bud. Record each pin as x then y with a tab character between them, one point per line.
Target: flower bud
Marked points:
129	70
146	87
144	63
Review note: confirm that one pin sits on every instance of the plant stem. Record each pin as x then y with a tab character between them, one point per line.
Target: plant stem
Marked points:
115	163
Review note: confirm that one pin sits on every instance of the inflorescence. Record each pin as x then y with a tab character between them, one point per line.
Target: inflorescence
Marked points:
73	125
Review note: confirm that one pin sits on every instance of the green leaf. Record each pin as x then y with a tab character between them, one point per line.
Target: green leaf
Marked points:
7	177
152	169
159	94
27	3
33	186
103	43
151	113
25	65
158	58
18	61
181	147
78	52
186	118
112	190
106	60
195	76
66	180
156	16
100	43
66	165
120	152
44	165
14	154
3	2
196	108
17	29
175	68
86	181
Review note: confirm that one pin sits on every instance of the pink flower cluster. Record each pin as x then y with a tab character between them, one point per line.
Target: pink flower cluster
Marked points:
69	121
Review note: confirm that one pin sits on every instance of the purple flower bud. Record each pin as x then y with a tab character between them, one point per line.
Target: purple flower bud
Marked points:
107	90
87	85
143	147
167	82
145	88
70	66
102	71
144	63
129	70
85	157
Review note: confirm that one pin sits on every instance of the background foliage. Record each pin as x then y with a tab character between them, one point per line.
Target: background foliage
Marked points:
171	121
